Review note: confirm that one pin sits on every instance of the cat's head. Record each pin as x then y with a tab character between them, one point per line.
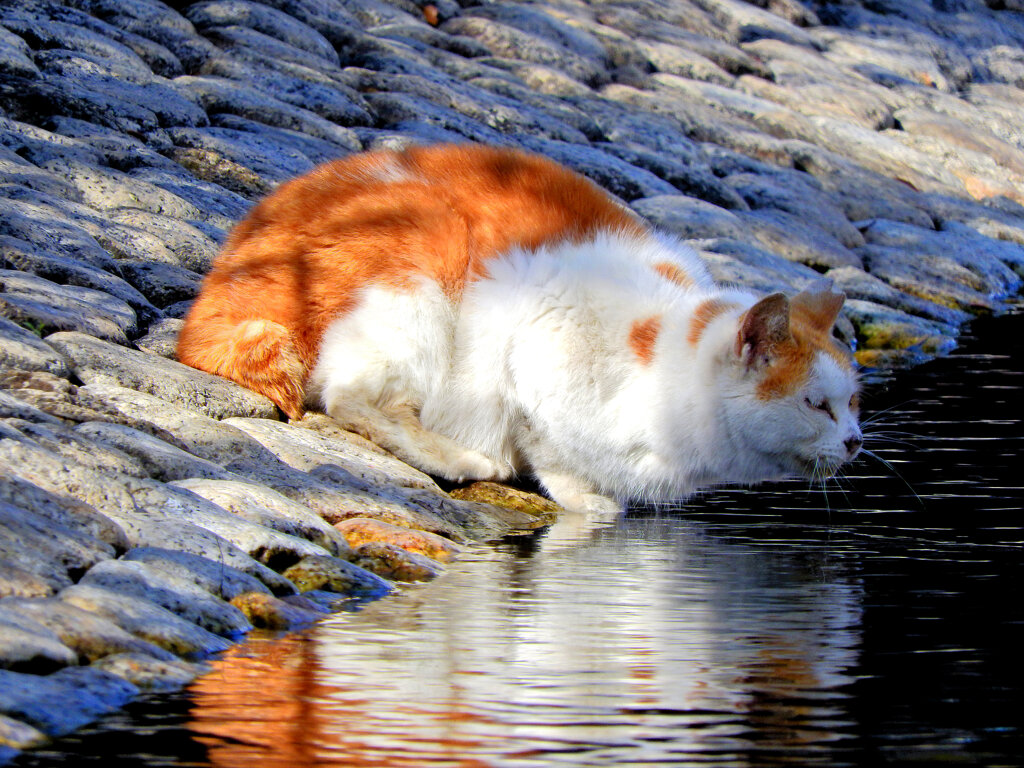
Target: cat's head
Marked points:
792	394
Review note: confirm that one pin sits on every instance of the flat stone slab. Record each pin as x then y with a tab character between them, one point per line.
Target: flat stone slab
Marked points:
93	360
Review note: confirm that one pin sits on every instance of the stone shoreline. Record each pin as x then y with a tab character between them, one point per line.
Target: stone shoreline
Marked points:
151	514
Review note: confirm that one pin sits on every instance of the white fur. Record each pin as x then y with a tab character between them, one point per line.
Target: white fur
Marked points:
531	372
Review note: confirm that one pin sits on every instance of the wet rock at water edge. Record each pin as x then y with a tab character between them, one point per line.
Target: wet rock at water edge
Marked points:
390	561
148	674
146	619
182	598
358	531
268	612
60	703
334	575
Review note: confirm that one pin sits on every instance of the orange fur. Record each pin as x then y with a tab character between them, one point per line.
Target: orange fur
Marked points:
674	273
301	257
642	337
705	312
811	332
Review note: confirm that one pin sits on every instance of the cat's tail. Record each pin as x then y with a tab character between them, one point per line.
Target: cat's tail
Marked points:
257	353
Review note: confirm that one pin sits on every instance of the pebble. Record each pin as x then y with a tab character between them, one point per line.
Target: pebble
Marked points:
171	511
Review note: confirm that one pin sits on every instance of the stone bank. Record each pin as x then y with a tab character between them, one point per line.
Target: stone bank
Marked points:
151	514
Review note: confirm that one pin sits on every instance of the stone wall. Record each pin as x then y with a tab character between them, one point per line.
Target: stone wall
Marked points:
151	514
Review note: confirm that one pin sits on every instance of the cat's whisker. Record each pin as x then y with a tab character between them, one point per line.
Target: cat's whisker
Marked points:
888	465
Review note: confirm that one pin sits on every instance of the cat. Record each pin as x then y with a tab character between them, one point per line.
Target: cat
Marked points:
484	313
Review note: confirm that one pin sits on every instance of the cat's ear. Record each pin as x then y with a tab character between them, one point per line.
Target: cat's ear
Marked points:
763	328
820	304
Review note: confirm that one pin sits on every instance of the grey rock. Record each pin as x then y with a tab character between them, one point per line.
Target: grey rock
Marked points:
219	208
15	56
52	553
88	635
22	349
26	257
63	512
159	460
17	582
60	703
956	257
888	337
688	217
182	598
193	248
295	84
692	178
95	361
146	619
617	176
220	95
268	508
748	22
754	267
162	337
216	578
162	284
857	284
149	674
269	160
509	41
797	239
28	646
50	307
262	18
309	450
677	60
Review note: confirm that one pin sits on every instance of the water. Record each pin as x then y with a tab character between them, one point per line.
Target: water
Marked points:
880	622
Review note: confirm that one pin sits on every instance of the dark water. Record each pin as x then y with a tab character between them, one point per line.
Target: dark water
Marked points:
877	622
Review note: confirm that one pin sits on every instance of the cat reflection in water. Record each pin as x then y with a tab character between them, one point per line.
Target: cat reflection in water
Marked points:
484	313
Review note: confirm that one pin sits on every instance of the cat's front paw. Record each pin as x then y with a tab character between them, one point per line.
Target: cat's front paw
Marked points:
578	496
471	466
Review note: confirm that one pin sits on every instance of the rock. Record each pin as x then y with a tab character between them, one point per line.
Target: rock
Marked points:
358	531
28	646
146	619
268	612
193	249
182	598
159	460
52	553
802	200
26	257
47	307
64	701
21	349
94	361
149	674
90	636
334	575
221	95
268	508
218	579
64	512
16	582
502	39
797	239
262	18
688	217
888	337
857	284
162	338
331	448
510	498
15	735
397	563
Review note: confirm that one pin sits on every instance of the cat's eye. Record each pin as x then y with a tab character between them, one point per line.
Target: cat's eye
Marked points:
824	406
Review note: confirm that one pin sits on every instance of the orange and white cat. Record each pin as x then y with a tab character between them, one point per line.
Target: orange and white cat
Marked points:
483	312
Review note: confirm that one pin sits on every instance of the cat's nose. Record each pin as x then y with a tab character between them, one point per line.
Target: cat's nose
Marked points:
853	444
